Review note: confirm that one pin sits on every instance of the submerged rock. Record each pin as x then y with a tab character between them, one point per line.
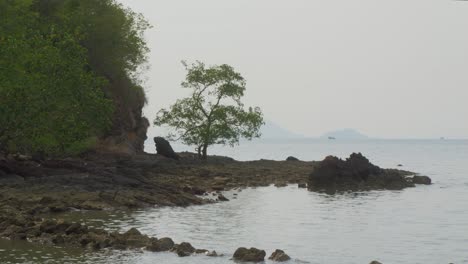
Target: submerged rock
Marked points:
164	148
279	256
252	254
354	174
375	262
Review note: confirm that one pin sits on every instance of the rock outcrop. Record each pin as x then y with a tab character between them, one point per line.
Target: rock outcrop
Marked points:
355	174
421	180
279	256
164	148
249	255
291	158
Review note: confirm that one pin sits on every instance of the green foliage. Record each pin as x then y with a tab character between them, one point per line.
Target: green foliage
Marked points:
113	38
214	114
50	100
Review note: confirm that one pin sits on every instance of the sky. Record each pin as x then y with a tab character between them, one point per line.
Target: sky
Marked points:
389	69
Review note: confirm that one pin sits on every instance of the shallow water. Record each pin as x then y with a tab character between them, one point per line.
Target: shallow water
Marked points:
427	224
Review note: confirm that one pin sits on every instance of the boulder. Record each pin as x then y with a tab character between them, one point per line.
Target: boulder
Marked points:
375	262
422	180
222	198
291	158
160	245
163	147
302	185
253	255
279	256
184	249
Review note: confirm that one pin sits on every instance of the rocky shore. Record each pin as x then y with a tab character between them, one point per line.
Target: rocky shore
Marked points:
30	189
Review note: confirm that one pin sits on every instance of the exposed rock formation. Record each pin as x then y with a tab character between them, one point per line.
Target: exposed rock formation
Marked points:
252	255
184	249
422	180
279	256
354	174
291	158
164	148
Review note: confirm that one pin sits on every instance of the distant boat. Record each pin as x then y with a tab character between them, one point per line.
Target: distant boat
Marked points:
331	138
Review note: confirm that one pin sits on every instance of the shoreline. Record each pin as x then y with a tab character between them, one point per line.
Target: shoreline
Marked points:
29	189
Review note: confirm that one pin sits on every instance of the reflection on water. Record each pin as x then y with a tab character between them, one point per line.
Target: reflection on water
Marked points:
427	224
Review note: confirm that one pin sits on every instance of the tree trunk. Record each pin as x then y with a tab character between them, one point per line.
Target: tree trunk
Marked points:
205	148
199	150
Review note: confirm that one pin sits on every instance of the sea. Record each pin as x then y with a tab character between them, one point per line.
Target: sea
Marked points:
421	225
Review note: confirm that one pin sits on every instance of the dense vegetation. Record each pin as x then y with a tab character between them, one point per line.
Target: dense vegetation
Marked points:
68	69
214	113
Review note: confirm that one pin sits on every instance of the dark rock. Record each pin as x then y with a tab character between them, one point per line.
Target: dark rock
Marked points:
375	262
75	228
302	185
291	158
159	245
163	147
353	174
222	198
279	256
48	226
422	180
280	184
134	239
212	254
201	251
184	249
252	255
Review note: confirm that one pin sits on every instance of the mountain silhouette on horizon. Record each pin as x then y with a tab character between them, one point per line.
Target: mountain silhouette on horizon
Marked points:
347	133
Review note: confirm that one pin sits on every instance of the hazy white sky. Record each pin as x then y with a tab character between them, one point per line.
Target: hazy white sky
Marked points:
391	69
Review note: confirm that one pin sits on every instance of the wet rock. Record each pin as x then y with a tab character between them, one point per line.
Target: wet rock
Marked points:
291	158
222	198
422	180
252	255
279	256
201	251
134	239
375	262
184	249
280	184
302	185
48	226
212	254
353	174
163	147
75	228
159	245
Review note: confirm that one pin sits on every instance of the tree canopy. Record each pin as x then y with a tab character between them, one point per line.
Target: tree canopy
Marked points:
214	113
65	67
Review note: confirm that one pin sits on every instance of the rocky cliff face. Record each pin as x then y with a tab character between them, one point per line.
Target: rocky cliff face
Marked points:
128	132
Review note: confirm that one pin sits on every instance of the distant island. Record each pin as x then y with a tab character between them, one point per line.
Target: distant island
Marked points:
344	134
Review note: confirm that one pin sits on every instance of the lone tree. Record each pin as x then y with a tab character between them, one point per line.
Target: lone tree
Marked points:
214	113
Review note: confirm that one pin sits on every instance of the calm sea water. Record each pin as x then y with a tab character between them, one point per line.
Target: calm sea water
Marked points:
422	225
